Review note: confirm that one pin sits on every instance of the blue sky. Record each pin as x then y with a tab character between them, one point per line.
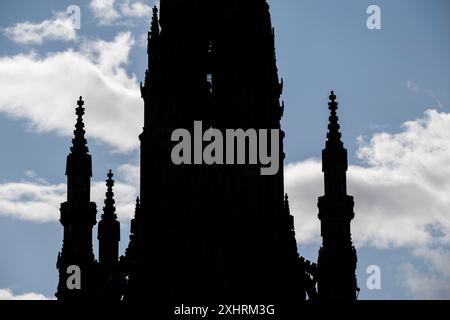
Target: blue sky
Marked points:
393	86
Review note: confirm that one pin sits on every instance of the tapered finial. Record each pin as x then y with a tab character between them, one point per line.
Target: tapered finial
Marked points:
332	96
109	209
152	42
110	181
138	204
79	143
286	204
334	135
154	31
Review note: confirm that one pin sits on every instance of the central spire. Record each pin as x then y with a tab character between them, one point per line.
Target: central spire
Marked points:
154	31
193	240
153	36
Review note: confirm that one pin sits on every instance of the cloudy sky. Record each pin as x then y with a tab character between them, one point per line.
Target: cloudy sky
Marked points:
393	86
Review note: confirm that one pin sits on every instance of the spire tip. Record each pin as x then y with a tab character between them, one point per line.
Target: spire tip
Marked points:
332	96
79	141
333	135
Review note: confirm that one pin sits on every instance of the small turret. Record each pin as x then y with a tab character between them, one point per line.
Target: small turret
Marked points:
337	256
109	228
78	217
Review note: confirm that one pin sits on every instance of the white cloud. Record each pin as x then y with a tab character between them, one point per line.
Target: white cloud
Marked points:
114	109
104	11
7	294
130	173
303	183
400	196
434	281
135	9
142	40
58	28
114	114
36	200
423	285
31	201
111	11
438	259
401	199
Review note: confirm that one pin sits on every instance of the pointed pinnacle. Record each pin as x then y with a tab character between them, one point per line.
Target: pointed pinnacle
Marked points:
110	185
333	105
136	212
333	135
79	142
109	209
332	96
155	21
110	175
138	202
286	204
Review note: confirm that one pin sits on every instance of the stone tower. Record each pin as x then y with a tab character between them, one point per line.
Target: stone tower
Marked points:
337	256
78	217
210	232
108	241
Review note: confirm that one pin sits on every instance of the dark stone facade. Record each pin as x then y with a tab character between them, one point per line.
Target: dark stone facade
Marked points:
205	233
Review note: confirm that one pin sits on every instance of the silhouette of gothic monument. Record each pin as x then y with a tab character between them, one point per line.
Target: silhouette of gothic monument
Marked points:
205	233
337	256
